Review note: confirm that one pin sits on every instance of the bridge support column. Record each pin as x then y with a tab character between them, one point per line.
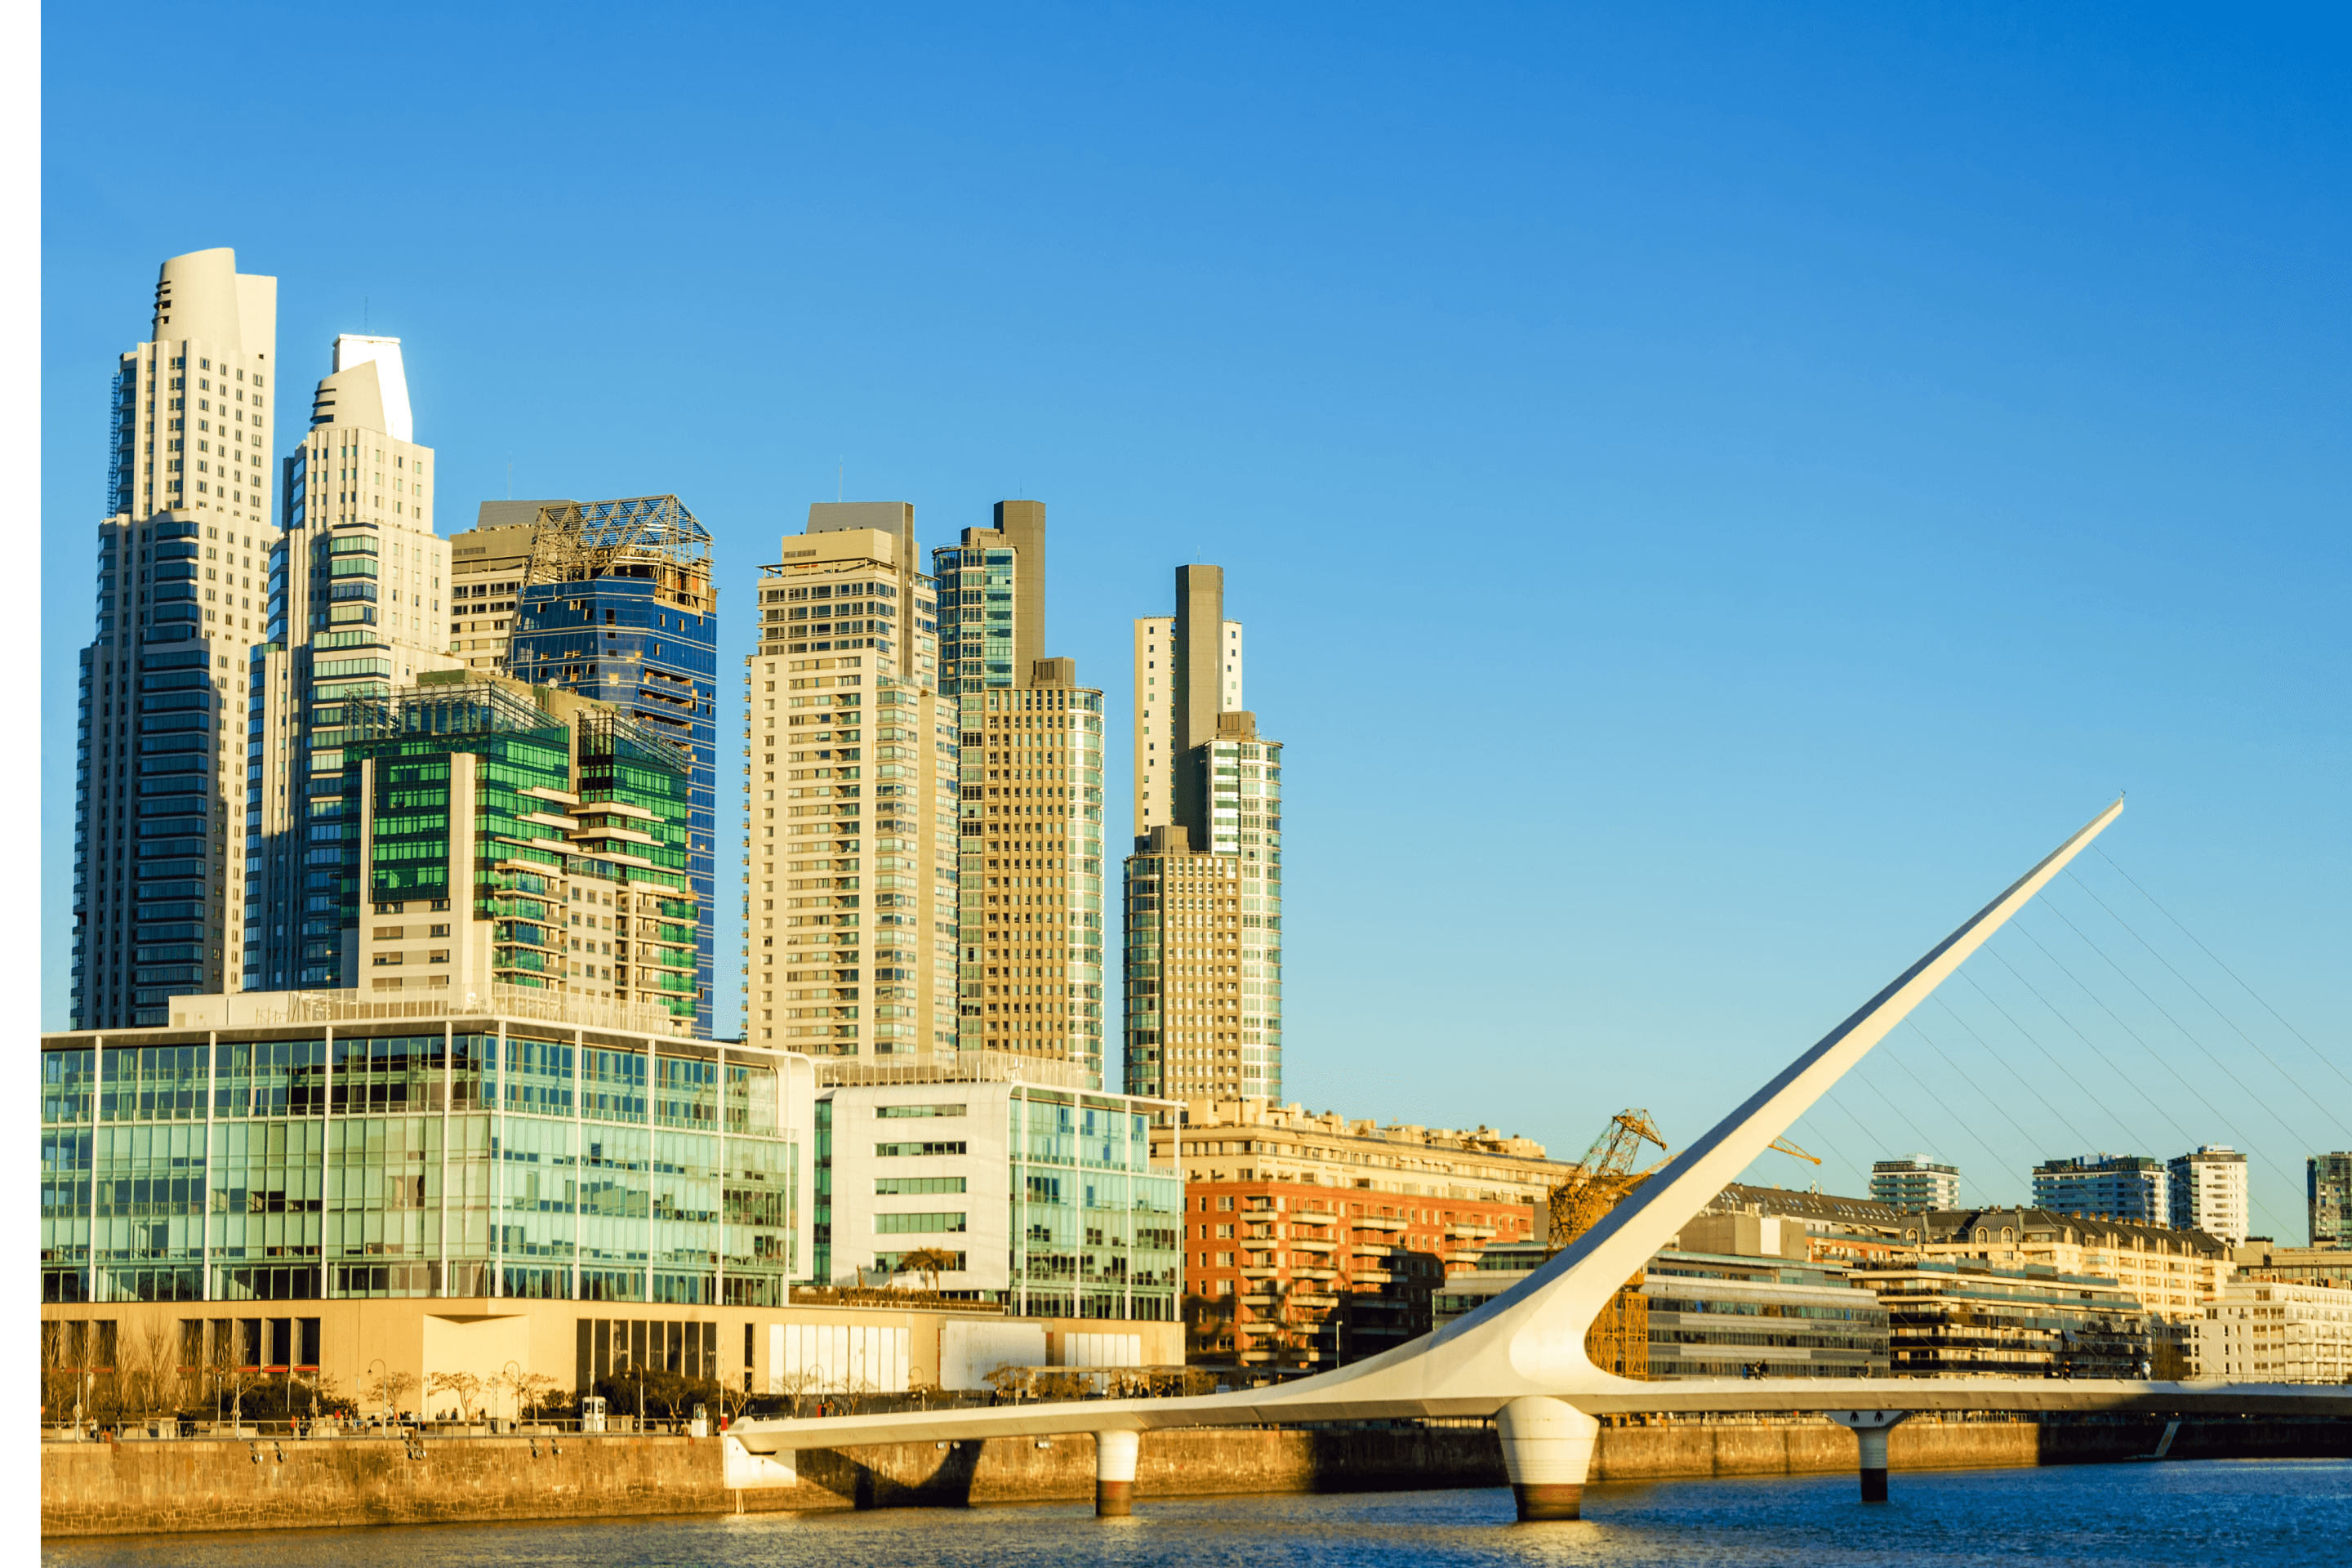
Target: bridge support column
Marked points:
1547	1448
1869	1429
1115	1473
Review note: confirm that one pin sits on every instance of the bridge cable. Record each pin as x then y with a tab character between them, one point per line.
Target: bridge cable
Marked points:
1873	1133
1934	1099
2021	1078
2131	1079
2300	1085
2195	1093
1957	1071
2192	1040
2104	1109
2233	973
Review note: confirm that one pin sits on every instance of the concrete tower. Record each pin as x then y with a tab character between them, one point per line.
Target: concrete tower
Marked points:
1204	933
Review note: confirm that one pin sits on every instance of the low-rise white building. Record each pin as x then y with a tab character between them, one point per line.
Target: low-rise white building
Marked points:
1044	1197
2262	1331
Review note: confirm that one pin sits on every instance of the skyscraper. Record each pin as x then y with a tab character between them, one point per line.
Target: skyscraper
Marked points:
1203	887
1918	1184
488	563
183	590
2110	1186
849	851
358	585
2207	1191
2329	1177
1029	827
618	603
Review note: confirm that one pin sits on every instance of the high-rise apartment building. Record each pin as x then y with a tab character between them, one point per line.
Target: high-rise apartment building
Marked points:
618	604
1154	774
1029	828
513	841
2119	1187
1203	888
2328	1178
183	565
2207	1191
849	760
1915	1183
357	588
487	566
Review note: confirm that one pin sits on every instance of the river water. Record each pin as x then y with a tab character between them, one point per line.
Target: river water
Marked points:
2200	1514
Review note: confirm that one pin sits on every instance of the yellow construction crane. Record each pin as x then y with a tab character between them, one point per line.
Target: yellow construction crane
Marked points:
1619	1340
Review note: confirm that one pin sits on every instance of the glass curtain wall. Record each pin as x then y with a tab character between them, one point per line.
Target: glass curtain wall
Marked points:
1094	1225
433	1165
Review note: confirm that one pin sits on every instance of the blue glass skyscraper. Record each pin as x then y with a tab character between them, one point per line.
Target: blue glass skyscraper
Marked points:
618	604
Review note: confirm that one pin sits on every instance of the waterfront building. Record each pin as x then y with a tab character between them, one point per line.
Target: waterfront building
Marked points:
357	584
522	838
2119	1186
487	566
184	583
330	1191
1316	1240
1030	920
2262	1331
2328	1179
849	757
1836	1229
2260	1259
1203	1015
1915	1182
1029	1190
2207	1191
1953	1318
2172	1273
294	1146
618	604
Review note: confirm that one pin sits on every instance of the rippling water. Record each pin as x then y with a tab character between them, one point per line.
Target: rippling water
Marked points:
2208	1514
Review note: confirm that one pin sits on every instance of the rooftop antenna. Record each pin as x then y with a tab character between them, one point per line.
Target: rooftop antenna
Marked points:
510	479
841	481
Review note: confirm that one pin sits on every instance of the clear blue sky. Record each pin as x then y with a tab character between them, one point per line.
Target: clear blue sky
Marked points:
1715	491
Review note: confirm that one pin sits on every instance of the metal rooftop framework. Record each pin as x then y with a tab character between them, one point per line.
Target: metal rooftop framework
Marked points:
644	536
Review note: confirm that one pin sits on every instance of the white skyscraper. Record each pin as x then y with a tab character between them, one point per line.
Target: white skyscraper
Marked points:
359	611
182	589
1153	779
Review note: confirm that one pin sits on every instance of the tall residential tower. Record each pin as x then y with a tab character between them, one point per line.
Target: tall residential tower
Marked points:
849	760
1029	825
184	564
1203	888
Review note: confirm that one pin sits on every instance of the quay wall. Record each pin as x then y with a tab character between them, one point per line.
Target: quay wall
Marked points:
206	1484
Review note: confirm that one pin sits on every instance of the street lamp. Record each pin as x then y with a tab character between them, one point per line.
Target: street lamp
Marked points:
379	1381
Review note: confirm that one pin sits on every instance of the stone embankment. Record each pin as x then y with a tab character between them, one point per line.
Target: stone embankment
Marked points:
100	1488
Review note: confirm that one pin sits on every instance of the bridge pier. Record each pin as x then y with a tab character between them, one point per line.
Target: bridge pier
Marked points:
1115	1473
1869	1429
1546	1450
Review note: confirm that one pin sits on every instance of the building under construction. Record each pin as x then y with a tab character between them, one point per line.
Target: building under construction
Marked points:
617	603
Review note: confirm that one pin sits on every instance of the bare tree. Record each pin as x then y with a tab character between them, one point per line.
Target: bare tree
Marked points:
161	1348
796	1387
392	1387
467	1387
1015	1383
232	1374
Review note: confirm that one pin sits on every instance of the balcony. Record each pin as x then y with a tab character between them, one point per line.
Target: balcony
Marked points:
1315	1274
1381	1222
1307	1244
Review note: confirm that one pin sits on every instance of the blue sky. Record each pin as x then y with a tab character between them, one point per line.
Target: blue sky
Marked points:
1714	493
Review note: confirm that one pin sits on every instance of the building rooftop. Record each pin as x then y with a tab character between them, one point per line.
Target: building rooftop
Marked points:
1254	1111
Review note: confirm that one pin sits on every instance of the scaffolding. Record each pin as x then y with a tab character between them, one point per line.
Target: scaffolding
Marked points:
647	537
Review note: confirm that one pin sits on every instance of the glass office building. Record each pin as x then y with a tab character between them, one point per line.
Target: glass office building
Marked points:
280	1148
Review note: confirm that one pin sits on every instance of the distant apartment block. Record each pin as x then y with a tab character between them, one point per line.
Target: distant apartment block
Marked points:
2109	1187
2329	1199
1916	1182
2207	1192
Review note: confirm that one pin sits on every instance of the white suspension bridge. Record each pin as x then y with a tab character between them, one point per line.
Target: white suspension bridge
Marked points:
1520	1359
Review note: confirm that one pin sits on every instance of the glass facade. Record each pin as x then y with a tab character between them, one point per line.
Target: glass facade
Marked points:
620	607
381	1161
1094	1227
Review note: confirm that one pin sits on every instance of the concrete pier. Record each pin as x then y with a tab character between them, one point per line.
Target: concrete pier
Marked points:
1548	1450
1115	1455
